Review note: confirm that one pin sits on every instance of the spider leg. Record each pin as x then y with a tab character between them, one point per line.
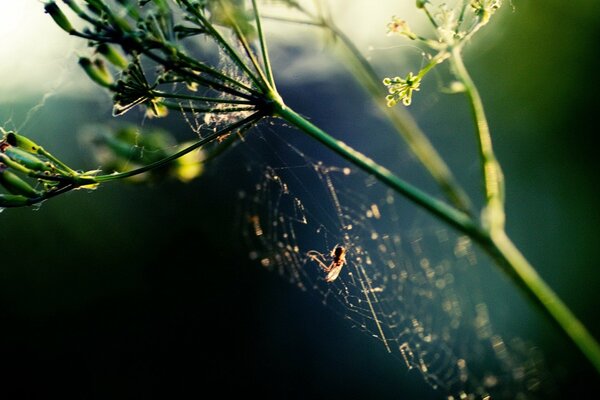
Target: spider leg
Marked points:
318	258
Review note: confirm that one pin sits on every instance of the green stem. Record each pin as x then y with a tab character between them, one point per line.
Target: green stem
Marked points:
461	17
406	126
498	244
430	17
181	96
449	214
521	271
493	179
263	46
402	121
208	110
228	129
265	82
438	59
234	56
211	71
494	242
196	78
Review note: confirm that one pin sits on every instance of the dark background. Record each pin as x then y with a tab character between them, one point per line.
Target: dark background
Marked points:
146	291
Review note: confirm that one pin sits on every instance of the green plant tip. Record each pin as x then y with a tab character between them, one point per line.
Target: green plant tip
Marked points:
58	17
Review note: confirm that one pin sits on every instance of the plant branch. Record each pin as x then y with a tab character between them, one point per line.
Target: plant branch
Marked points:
402	121
493	179
224	131
521	271
235	57
499	245
447	213
494	242
263	46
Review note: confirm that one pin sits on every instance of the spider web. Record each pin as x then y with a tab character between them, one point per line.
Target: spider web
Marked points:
408	281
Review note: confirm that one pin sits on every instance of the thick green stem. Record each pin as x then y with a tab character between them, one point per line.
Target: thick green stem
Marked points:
493	241
498	244
449	214
401	120
521	271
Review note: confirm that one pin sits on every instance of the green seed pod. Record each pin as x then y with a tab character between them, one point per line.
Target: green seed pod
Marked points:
23	162
97	72
58	17
95	6
16	185
421	3
23	143
13	200
27	160
112	55
74	7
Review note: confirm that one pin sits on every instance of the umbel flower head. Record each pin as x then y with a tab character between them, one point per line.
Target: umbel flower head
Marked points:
400	27
401	89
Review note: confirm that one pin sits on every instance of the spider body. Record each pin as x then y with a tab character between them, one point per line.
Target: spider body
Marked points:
338	260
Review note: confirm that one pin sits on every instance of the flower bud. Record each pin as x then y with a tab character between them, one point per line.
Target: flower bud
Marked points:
94	6
97	72
23	143
23	161
58	17
13	200
112	55
16	185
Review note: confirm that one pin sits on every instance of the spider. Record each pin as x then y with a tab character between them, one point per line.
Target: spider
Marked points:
338	260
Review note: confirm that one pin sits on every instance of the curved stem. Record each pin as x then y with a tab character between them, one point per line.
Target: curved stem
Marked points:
493	241
493	179
182	96
447	213
195	78
521	271
265	82
235	57
263	46
499	245
402	121
228	129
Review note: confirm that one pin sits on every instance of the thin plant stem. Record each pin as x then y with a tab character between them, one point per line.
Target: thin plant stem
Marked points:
224	131
195	78
182	96
263	45
249	53
208	110
430	17
235	57
493	179
214	72
402	121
